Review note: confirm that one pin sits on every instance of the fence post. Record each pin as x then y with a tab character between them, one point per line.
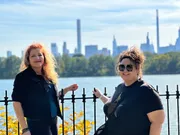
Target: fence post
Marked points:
105	93
62	102
84	99
6	107
177	97
94	100
167	98
73	103
84	109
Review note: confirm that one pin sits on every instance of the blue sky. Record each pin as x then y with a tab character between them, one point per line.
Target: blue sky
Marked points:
25	21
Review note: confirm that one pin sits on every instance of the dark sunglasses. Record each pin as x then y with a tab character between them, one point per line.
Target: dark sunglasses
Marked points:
128	67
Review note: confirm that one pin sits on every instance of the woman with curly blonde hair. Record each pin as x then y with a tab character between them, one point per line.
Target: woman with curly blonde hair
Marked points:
35	96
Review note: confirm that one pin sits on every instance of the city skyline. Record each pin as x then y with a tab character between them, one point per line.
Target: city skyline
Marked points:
26	21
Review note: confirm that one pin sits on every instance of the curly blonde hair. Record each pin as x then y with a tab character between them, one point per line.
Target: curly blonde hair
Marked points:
136	56
49	62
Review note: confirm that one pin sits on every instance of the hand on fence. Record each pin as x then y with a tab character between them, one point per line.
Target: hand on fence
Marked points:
97	92
73	87
27	133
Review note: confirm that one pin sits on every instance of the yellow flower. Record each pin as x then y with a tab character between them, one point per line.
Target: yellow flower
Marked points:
68	126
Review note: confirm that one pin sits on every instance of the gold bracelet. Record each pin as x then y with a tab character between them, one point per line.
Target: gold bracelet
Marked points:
101	96
25	130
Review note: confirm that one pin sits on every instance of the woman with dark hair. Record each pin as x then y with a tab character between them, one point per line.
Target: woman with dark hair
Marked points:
135	107
35	95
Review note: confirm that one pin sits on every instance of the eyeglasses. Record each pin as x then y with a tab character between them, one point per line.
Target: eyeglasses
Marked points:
128	67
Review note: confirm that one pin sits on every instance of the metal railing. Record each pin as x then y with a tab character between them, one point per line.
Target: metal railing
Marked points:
84	99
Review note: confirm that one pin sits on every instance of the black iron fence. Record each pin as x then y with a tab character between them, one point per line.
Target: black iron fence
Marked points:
84	99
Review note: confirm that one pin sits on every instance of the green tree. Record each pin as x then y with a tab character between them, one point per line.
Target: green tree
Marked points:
2	67
79	66
12	65
60	65
97	65
67	60
101	65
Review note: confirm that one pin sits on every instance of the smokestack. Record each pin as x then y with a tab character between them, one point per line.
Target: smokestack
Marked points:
157	29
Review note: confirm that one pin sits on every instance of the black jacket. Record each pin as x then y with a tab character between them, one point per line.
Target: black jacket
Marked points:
31	91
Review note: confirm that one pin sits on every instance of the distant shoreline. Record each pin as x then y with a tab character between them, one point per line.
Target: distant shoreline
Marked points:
98	76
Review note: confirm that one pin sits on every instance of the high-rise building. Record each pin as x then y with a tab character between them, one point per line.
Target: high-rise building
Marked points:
75	51
157	30
117	49
163	49
121	48
147	39
166	49
91	50
114	47
79	36
54	49
177	44
22	54
9	53
104	51
65	50
147	47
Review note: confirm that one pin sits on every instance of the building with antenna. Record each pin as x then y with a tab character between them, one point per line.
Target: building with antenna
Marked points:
147	47
177	44
117	49
114	47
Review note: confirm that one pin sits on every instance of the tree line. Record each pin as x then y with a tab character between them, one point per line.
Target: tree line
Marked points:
97	65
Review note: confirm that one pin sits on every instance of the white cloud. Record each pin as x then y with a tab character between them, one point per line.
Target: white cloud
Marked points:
55	21
170	14
176	3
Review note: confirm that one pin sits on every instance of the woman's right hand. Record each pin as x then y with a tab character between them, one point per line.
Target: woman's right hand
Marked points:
27	133
97	92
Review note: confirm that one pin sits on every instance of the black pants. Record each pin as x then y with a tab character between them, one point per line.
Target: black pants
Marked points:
40	127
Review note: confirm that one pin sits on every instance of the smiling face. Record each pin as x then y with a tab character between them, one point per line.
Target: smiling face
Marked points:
36	58
128	71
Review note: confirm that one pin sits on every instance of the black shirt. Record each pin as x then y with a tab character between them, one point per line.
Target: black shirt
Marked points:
135	102
31	91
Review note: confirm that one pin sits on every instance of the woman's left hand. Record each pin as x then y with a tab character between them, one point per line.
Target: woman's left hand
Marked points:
72	87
